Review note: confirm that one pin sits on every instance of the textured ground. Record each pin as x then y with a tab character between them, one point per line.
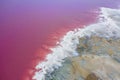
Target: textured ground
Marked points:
99	59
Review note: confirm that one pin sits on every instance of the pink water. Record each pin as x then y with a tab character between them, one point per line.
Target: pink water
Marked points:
29	27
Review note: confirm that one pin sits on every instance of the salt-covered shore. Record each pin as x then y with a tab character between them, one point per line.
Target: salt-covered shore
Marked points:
100	55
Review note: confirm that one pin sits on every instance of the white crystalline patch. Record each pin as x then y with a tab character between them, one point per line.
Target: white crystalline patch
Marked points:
107	26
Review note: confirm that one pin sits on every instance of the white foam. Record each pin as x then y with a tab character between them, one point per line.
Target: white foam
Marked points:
107	26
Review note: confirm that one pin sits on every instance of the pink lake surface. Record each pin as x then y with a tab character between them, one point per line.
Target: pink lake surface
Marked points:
29	27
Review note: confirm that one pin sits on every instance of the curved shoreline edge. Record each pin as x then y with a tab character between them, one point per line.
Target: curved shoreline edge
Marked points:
108	26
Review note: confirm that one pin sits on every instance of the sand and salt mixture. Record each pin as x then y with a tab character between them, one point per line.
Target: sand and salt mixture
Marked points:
92	53
98	59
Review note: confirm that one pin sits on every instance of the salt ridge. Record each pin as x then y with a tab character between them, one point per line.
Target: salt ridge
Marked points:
107	26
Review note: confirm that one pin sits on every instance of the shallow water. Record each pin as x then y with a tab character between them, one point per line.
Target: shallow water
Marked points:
28	27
